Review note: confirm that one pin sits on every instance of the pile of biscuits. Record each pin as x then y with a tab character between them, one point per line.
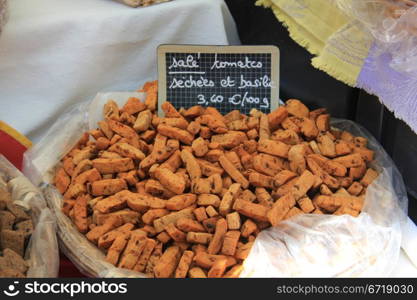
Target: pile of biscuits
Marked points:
185	195
16	228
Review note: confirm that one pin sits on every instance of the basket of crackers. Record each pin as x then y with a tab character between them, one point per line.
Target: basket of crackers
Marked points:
189	192
28	244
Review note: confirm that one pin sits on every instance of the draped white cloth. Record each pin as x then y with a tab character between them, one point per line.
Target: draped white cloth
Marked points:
55	53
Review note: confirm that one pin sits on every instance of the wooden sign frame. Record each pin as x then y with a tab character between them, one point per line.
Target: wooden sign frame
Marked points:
269	49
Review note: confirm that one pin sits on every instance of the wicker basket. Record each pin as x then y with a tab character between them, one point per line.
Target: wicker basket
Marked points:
137	3
3	13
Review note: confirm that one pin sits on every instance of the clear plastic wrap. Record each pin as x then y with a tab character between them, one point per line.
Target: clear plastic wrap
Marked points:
313	245
42	250
393	24
310	245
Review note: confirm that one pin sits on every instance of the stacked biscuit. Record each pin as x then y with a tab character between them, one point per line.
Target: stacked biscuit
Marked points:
16	228
185	195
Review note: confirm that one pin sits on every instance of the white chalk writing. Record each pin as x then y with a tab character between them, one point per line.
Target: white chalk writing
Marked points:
191	82
228	82
241	100
213	99
264	82
247	64
189	62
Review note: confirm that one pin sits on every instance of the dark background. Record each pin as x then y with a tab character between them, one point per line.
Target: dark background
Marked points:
258	26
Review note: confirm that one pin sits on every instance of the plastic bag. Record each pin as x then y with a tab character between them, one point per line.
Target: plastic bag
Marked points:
42	250
303	246
3	13
39	165
313	245
393	24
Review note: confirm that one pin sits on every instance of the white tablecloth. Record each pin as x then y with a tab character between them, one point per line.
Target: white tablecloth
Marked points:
54	53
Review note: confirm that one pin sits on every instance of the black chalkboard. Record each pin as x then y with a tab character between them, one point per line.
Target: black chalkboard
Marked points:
225	77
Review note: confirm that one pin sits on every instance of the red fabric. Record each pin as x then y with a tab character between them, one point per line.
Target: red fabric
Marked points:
67	268
11	149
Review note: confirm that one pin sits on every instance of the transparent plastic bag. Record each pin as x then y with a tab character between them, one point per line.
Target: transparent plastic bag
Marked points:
313	245
303	246
40	163
393	24
42	250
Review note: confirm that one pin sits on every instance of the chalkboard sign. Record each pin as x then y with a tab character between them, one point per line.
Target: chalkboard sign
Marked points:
225	77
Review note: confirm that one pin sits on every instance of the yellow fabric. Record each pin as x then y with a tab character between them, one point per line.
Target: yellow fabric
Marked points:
339	44
15	134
